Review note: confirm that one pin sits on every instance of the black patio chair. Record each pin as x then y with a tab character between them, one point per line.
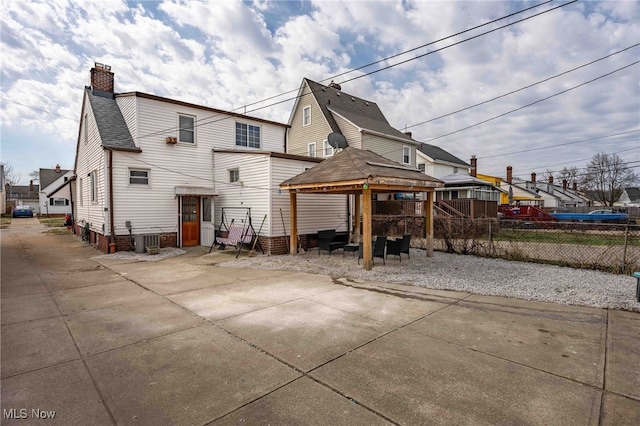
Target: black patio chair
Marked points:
378	249
398	246
326	241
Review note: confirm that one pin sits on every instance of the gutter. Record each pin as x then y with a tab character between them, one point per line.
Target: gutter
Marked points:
112	239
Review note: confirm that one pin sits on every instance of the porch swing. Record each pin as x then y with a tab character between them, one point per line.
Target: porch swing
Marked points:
236	236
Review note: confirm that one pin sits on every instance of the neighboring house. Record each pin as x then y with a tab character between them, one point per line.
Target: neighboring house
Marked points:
51	180
149	165
464	186
435	161
321	110
3	194
24	195
630	197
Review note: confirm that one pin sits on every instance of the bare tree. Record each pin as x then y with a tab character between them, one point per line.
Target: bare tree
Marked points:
544	176
35	176
10	175
606	176
569	174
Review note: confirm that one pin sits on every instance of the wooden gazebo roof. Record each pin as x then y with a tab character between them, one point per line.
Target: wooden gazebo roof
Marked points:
350	169
362	173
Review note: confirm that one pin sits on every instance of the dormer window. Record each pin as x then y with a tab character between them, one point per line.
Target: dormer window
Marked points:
406	155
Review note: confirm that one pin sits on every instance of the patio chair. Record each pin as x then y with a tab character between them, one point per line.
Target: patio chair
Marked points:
378	249
398	246
326	241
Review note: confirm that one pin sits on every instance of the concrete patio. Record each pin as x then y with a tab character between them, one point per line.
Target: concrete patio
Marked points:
107	341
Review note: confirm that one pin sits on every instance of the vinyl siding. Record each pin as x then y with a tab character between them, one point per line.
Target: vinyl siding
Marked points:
91	156
351	132
154	208
315	211
388	148
300	136
128	107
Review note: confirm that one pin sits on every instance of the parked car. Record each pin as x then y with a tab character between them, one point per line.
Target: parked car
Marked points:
22	211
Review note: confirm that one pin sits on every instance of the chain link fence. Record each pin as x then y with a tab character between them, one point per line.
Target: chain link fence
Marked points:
613	248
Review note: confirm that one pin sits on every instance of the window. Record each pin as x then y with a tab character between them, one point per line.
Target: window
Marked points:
306	116
80	193
247	135
234	175
94	186
138	177
58	202
206	209
455	170
406	155
327	150
187	133
86	128
422	167
311	149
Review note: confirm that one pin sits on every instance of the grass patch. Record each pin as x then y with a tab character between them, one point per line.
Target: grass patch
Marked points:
52	222
5	221
586	239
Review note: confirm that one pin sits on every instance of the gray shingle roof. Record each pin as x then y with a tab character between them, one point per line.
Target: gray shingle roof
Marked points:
633	193
438	153
48	176
362	113
352	164
111	125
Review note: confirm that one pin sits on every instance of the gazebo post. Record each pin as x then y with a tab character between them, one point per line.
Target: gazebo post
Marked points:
367	253
356	218
428	213
293	217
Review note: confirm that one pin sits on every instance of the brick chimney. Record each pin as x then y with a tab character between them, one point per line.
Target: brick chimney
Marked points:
57	168
509	174
408	133
575	186
102	78
550	180
533	177
474	166
31	185
564	184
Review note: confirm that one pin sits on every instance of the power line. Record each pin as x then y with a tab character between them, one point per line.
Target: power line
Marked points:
521	89
532	103
38	109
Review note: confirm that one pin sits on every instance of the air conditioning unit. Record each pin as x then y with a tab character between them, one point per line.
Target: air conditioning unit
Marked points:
149	242
172	139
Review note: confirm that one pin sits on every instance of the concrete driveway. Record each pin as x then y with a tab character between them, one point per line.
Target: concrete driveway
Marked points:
174	342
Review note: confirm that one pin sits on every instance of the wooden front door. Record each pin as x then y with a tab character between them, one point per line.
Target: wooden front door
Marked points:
190	221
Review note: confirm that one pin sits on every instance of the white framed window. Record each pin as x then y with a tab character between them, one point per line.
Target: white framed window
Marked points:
206	209
94	186
58	202
455	170
406	155
86	128
138	177
247	135
311	149
186	129
234	175
80	193
422	167
327	150
306	115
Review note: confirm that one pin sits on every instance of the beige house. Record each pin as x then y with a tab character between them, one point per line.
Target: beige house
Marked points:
323	110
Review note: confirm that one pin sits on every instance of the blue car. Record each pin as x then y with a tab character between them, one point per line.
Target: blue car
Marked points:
22	211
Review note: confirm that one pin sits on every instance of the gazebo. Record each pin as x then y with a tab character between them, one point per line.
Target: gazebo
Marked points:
361	173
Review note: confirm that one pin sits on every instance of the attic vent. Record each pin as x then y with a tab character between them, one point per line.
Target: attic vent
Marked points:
366	103
353	99
338	93
335	85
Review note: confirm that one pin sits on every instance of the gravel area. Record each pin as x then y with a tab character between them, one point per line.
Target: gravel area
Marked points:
164	253
443	271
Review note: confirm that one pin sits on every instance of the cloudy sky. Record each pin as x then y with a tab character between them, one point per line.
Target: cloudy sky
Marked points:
230	54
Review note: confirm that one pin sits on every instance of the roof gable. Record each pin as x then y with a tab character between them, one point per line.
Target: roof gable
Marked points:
362	113
48	176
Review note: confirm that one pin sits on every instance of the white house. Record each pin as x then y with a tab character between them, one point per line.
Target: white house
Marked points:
148	165
435	161
54	200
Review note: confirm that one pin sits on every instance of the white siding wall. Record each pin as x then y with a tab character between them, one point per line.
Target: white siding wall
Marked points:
315	211
299	136
252	190
128	107
154	208
45	205
388	148
91	157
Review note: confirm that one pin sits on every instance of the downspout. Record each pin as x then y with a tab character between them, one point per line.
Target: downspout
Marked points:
112	240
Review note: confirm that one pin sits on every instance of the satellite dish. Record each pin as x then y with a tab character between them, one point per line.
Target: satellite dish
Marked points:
337	140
